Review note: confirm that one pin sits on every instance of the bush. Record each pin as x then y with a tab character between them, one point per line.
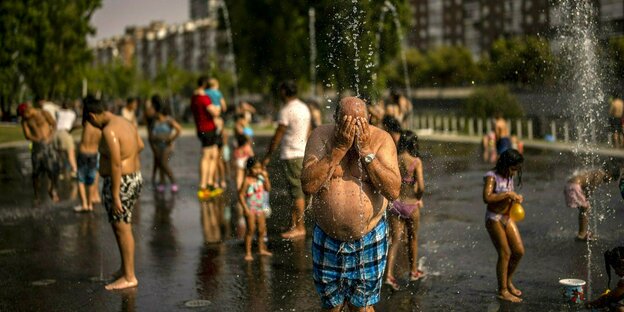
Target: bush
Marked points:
486	101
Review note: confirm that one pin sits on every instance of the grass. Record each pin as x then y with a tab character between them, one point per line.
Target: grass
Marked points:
11	133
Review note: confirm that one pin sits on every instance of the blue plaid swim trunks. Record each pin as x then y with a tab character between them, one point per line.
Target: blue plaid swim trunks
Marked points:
349	271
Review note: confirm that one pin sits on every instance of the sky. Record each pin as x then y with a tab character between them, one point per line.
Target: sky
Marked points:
113	16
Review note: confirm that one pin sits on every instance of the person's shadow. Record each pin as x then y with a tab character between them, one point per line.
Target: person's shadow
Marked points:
211	219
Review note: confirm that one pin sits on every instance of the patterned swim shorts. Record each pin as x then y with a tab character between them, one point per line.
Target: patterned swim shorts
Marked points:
45	159
349	271
130	190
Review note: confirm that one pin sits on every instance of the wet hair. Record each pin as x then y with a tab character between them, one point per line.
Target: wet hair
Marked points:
241	140
92	105
203	81
395	96
157	103
314	104
131	99
614	258
251	162
391	124
289	87
507	159
408	143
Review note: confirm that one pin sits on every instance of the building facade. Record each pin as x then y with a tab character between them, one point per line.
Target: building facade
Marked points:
190	46
476	24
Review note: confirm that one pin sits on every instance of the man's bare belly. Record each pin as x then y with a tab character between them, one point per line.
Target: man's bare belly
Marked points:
346	211
128	166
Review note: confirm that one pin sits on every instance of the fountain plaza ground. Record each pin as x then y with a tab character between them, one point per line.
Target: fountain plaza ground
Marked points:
52	259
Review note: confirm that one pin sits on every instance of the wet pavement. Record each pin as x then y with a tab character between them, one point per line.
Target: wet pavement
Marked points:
52	259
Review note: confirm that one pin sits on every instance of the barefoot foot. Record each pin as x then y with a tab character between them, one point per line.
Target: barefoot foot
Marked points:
507	296
248	258
122	283
294	234
265	253
513	290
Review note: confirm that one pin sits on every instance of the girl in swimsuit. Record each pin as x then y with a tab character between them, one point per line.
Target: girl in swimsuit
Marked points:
251	196
612	298
405	211
499	195
163	132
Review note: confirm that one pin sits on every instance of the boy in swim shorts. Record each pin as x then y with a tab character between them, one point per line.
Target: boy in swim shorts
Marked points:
120	170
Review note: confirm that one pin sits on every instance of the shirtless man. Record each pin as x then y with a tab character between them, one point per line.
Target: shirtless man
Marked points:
122	181
501	131
616	110
38	126
351	171
88	165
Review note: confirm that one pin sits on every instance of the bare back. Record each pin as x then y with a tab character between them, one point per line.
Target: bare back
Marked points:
90	139
412	182
121	133
616	108
348	206
501	130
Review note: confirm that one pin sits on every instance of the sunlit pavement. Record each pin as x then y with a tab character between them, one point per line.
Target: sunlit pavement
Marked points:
52	259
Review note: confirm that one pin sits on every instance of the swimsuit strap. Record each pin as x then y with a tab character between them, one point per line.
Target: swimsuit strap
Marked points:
410	178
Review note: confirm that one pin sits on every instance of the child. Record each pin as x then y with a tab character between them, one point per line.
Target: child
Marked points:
499	195
216	97
405	212
164	131
241	154
578	191
251	197
612	299
241	127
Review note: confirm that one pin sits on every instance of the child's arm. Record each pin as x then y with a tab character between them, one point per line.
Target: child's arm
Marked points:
489	197
241	195
611	297
267	182
419	186
177	129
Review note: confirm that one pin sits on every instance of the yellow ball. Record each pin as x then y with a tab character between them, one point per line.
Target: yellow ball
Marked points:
517	212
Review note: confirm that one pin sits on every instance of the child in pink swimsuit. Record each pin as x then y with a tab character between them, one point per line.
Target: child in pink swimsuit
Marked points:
499	195
405	212
252	192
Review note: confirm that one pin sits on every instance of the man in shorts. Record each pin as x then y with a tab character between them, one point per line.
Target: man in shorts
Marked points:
204	113
88	165
38	126
65	118
351	170
292	132
122	181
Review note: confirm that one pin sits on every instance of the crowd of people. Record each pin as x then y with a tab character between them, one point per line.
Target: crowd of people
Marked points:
362	177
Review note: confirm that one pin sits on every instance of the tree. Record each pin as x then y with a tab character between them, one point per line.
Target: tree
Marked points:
486	101
616	56
275	46
44	47
523	61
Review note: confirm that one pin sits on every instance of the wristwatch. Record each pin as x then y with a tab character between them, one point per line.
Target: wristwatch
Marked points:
369	158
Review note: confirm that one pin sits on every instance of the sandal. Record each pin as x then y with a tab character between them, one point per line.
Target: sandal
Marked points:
414	276
392	282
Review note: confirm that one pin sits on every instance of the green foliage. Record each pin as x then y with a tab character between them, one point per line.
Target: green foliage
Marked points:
486	101
271	40
44	46
523	61
616	55
441	66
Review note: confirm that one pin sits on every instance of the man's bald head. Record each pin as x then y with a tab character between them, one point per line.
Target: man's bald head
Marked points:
351	106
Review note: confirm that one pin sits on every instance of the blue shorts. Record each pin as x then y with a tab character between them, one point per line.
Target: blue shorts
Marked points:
88	165
349	271
502	145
